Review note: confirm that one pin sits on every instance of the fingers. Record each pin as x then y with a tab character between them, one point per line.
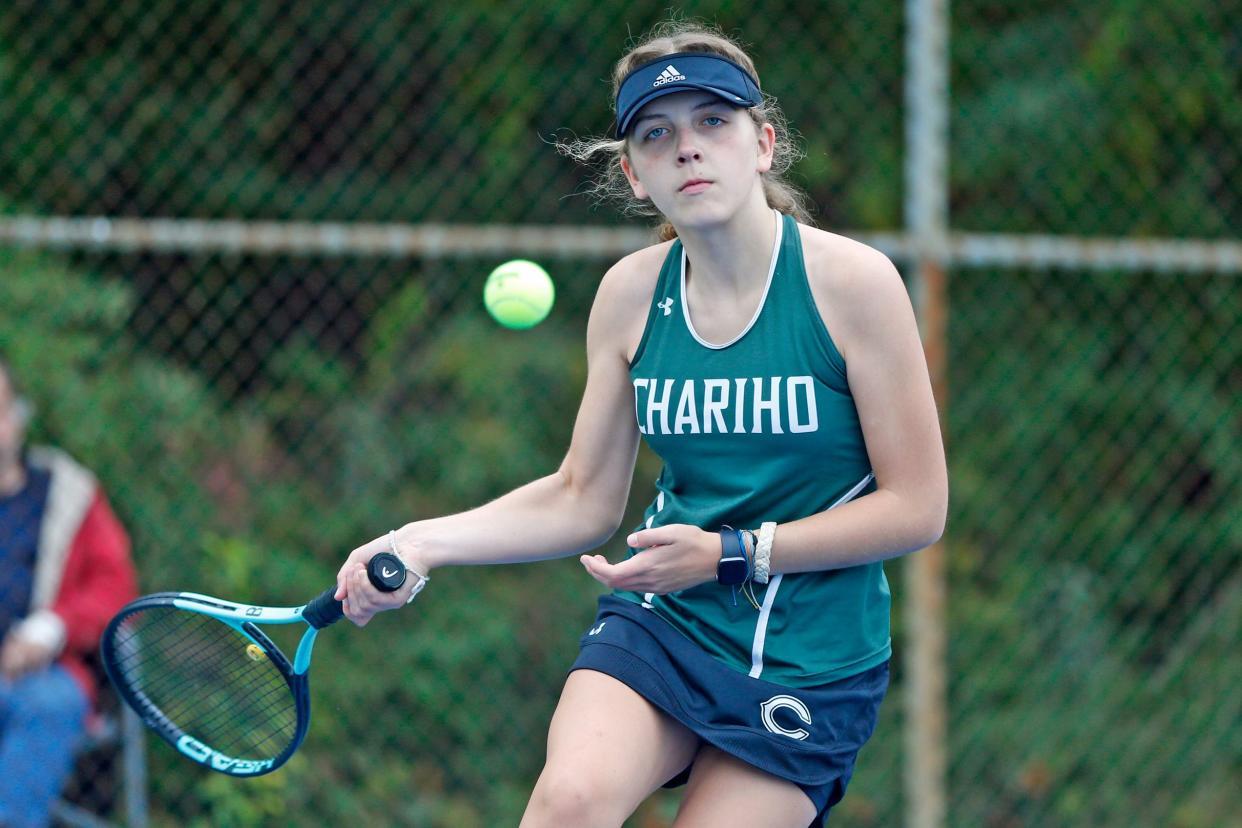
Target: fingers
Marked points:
668	535
342	575
19	657
351	595
360	557
598	568
669	558
361	600
659	536
624	575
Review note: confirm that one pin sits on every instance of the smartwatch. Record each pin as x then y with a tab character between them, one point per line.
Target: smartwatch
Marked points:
732	569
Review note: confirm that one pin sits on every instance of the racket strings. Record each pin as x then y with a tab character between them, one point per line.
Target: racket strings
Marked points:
208	680
270	743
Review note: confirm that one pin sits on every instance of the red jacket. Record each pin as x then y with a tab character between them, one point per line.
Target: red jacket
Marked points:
83	572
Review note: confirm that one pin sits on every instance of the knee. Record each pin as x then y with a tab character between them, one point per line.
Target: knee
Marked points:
571	796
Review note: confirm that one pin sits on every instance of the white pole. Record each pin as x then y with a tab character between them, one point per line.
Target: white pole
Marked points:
926	213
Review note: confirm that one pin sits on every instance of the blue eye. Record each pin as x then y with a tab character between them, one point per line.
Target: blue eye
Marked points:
713	120
653	133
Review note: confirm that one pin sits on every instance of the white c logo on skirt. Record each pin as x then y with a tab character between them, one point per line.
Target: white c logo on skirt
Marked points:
773	704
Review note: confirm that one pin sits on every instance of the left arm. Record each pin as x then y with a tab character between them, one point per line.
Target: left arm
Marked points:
878	335
874	326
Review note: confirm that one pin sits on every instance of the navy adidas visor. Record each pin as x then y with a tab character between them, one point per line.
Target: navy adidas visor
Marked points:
681	72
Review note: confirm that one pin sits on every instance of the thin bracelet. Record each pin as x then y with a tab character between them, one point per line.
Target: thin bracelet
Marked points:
763	552
748	586
423	580
754	542
749	556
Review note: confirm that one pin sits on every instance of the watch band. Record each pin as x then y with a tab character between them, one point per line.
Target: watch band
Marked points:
733	558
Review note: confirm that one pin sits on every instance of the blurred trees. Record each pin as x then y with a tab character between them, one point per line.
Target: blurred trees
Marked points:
254	418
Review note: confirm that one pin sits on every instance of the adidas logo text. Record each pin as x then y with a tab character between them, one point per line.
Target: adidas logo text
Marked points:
669	75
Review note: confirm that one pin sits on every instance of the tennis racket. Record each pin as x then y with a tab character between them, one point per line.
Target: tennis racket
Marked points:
201	673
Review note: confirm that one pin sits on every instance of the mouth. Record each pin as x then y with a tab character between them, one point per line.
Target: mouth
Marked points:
695	185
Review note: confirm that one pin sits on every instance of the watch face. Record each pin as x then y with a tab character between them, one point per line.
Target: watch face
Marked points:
731	571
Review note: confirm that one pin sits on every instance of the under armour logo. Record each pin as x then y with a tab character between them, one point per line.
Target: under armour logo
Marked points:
666	306
595	630
775	703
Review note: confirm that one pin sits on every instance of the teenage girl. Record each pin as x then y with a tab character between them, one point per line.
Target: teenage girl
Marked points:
777	371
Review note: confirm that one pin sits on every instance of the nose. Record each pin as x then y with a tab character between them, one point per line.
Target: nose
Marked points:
687	151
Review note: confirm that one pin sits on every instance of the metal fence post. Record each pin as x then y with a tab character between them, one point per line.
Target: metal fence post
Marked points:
136	807
926	215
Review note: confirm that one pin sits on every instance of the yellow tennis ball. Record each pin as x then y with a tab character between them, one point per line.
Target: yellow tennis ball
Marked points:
518	294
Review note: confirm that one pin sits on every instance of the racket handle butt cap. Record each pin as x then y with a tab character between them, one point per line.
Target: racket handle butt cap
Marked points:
386	572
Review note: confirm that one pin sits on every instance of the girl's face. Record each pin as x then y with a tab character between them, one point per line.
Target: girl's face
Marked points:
696	157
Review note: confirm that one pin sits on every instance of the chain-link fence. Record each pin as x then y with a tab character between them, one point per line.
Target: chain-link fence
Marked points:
1095	567
254	410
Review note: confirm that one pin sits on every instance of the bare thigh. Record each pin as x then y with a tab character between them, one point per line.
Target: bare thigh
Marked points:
608	749
724	791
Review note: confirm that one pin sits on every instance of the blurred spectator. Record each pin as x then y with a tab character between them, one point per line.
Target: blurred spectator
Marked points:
64	571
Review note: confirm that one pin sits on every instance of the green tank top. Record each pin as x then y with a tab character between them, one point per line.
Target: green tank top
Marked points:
760	428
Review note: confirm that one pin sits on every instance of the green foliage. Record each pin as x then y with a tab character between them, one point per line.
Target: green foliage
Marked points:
1096	561
324	111
1094	119
1111	118
261	501
1085	731
1099	568
1093	421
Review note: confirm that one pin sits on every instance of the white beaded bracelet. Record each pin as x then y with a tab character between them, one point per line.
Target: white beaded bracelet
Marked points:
763	552
423	580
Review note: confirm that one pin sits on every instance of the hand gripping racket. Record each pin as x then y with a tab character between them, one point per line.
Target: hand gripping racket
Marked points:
202	674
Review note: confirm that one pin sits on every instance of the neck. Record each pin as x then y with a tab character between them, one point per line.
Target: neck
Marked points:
732	257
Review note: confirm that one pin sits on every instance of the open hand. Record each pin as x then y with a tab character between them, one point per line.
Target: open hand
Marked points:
673	558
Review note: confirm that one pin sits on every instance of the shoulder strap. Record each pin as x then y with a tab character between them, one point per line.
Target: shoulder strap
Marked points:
665	297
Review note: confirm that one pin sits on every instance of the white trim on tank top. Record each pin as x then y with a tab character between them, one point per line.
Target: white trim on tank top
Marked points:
650	596
685	304
769	597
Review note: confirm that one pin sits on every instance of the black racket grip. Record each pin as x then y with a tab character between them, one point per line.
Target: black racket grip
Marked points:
385	572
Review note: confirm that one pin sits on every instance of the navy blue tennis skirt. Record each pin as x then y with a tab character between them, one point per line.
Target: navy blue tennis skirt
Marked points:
807	735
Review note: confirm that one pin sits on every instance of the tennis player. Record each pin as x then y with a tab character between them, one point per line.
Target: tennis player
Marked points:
777	370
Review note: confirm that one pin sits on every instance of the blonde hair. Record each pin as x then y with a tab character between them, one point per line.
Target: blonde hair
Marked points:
670	37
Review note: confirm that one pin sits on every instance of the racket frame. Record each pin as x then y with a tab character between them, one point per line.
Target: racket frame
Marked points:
245	619
321	611
238	616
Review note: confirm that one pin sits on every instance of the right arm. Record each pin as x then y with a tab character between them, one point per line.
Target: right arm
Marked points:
578	506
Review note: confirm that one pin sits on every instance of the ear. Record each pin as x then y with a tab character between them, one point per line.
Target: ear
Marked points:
766	143
637	186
